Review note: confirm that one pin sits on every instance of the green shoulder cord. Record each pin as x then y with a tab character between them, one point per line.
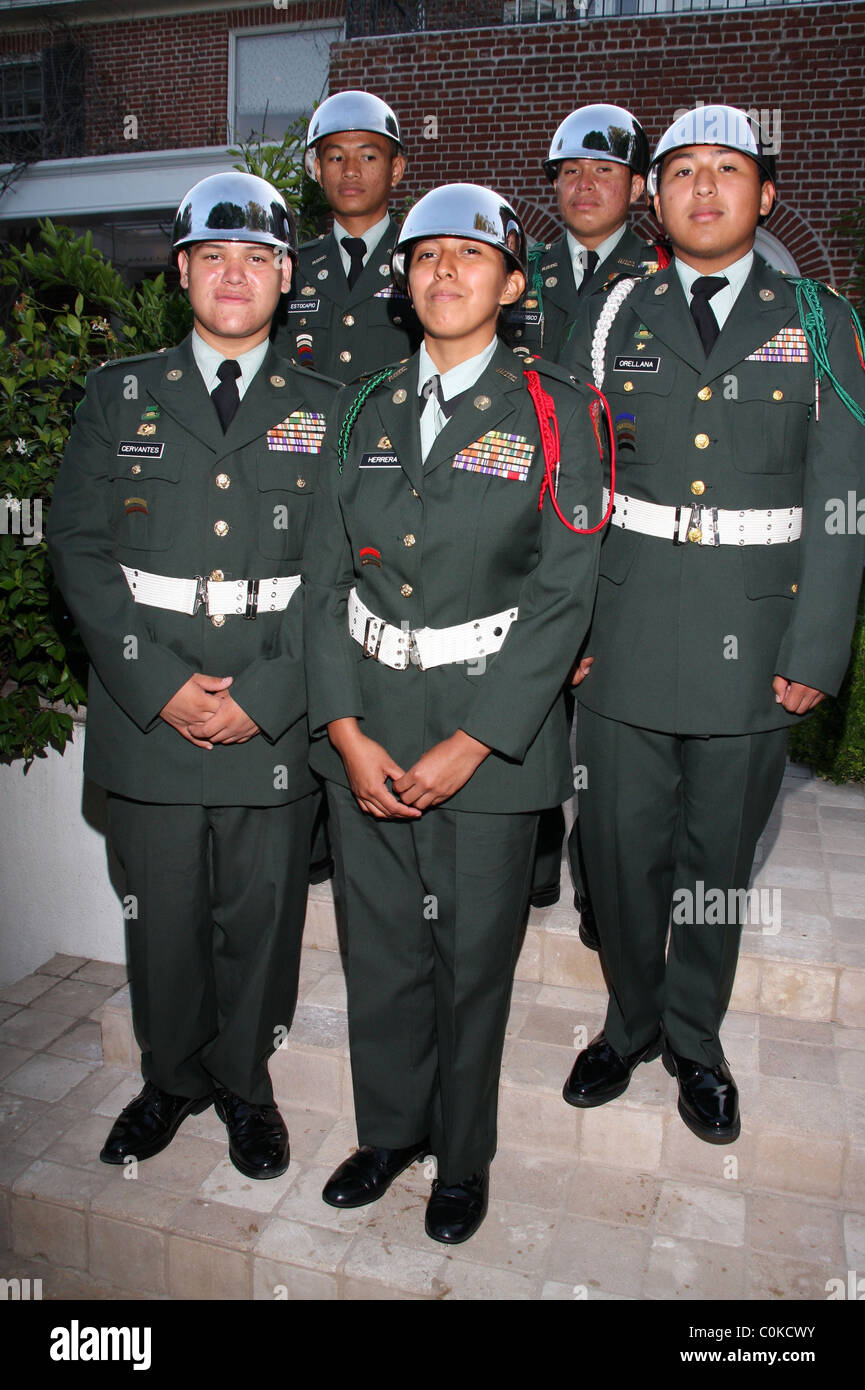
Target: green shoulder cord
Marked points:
814	327
354	410
536	255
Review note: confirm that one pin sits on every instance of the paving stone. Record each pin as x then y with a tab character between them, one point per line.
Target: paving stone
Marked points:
63	966
225	1184
565	1293
74	997
701	1213
47	1078
853	1182
798	1061
58	1183
7	1010
536	1179
185	1164
83	1044
101	972
17	1114
375	1272
613	1195
316	1026
126	1200
197	1271
808	1164
127	1256
477	1283
536	1120
14	1160
851	999
274	1282
622	1138
26	990
806	1106
104	1081
329	990
694	1269
798	1229
294	1243
684	1155
782	1277
539	1065
851	1069
33	1028
303	1203
214	1223
796	1029
854	1240
550	1025
800	991
11	1058
589	1256
50	1232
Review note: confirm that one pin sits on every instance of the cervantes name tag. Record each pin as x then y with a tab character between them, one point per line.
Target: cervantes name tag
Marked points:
136	449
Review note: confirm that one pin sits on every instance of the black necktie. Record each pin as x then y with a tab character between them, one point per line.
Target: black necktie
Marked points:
433	387
226	396
701	310
356	248
590	261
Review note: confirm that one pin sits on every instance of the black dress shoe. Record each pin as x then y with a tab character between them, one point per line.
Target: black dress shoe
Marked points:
454	1213
367	1174
321	871
257	1136
148	1124
600	1073
588	925
545	897
708	1098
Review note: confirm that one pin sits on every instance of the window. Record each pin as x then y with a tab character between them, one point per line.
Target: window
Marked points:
21	110
284	72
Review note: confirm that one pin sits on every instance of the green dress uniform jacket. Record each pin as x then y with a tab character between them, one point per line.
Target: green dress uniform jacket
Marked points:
735	431
344	332
543	318
213	843
456	539
182	500
679	729
432	907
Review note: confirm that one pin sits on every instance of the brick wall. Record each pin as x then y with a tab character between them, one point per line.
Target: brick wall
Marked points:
498	95
170	72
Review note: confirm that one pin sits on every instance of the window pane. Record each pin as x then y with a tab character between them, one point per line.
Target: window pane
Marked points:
287	72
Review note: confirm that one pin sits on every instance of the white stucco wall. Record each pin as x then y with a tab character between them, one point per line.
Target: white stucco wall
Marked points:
55	889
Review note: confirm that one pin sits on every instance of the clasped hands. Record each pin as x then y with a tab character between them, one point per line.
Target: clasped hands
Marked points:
436	776
203	712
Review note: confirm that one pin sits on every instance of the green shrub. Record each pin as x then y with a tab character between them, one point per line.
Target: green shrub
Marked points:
832	739
72	313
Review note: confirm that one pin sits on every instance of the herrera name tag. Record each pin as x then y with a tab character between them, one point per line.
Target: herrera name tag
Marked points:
135	448
379	461
636	364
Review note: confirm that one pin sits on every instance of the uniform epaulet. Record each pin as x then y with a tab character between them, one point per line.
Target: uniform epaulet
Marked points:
309	371
552	370
312	244
617	280
125	361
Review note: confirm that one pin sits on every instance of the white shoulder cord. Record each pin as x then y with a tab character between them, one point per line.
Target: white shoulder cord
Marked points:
615	299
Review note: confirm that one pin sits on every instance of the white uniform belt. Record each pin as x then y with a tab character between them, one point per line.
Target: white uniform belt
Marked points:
246	597
426	646
706	525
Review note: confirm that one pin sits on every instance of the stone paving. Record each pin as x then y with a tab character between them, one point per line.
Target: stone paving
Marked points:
621	1202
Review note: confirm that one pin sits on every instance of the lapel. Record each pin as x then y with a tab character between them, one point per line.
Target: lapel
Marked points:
764	304
557	263
624	259
665	312
334	286
400	421
181	393
468	423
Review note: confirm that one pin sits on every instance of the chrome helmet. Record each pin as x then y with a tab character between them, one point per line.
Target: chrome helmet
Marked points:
461	210
599	132
710	125
234	206
349	111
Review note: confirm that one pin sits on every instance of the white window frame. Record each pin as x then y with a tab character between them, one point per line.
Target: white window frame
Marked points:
258	31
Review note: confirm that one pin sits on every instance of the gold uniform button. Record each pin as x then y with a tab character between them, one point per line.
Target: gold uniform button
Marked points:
397	319
301	482
221	528
217	576
222	480
174	375
628	386
408	540
777	395
414	492
698	487
218	619
279	380
704	393
701	441
695	535
348	320
794	588
136	468
345	356
406	590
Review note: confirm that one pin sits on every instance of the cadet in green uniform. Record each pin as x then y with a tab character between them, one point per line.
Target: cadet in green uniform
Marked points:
725	605
177	534
443	612
597	164
345	314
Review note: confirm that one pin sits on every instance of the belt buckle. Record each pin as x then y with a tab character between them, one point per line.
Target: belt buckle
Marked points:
413	652
251	610
694	522
201	595
373	647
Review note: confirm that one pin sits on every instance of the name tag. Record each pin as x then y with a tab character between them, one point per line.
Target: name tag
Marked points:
530	317
379	461
136	449
303	306
636	364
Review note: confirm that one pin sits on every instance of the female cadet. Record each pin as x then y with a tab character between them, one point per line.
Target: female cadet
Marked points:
445	610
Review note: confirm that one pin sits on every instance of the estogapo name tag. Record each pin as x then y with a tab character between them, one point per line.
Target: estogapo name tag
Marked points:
636	364
302	306
136	449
